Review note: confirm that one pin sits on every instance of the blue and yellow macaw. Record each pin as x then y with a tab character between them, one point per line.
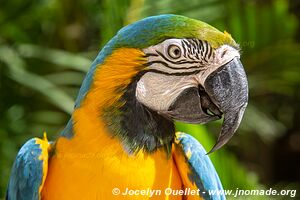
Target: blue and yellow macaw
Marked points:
121	138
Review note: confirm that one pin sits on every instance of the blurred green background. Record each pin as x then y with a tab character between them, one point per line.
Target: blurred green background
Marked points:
46	47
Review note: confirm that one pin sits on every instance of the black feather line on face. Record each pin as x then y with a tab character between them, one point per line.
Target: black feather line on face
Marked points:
139	127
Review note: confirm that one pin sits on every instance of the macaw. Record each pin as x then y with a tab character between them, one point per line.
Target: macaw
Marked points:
120	142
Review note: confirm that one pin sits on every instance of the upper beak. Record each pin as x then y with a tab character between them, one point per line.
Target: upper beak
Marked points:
228	90
225	91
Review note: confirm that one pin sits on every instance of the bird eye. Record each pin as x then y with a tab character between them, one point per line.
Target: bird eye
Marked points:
174	51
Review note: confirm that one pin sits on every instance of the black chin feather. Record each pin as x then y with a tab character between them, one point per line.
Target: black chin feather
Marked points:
138	126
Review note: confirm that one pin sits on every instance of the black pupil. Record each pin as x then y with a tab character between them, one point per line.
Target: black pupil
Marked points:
176	52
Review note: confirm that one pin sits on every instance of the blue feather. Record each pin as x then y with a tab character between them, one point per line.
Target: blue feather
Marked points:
27	173
202	171
141	34
137	35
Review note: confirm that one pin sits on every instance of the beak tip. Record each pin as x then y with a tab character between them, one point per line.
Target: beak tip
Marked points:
220	142
229	88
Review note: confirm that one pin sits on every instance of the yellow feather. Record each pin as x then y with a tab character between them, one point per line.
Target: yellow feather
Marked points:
92	163
45	146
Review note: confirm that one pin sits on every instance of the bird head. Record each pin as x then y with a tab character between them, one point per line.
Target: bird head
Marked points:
185	70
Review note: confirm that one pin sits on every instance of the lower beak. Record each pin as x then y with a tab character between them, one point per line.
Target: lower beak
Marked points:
225	91
228	90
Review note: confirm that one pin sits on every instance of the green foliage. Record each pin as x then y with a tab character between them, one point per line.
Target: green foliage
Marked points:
42	67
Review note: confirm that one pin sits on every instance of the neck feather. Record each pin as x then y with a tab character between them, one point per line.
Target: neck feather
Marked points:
111	101
139	126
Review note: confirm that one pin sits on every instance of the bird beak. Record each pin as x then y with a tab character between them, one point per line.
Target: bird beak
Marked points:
228	90
224	92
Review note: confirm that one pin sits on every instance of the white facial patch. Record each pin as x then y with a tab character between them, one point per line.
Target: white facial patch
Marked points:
175	65
158	91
